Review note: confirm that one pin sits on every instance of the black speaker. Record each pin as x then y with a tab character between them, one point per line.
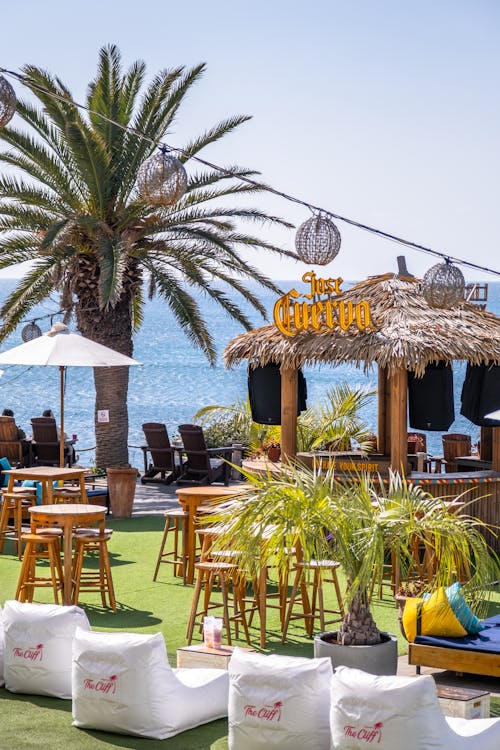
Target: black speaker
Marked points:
264	392
481	394
430	398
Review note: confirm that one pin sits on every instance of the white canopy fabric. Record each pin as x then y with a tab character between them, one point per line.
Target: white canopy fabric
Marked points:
493	414
61	348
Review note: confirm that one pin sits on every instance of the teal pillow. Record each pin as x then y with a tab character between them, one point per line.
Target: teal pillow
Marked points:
5	466
461	610
38	485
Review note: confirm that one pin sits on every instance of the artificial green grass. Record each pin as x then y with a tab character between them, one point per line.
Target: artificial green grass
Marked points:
143	607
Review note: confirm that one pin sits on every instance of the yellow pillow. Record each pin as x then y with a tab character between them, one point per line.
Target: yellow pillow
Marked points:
437	617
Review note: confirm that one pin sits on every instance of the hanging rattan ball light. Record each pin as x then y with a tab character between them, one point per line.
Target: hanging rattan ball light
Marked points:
8	102
443	286
31	331
162	179
317	240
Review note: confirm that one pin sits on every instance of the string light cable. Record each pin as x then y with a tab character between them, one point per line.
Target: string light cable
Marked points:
255	183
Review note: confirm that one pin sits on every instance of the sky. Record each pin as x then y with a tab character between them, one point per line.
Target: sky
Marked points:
385	112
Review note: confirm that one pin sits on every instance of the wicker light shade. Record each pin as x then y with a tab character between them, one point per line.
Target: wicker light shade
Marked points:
162	180
443	286
317	240
31	331
8	102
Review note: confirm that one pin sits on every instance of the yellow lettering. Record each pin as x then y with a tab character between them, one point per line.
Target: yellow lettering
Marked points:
346	315
363	319
301	316
281	313
330	315
310	277
316	316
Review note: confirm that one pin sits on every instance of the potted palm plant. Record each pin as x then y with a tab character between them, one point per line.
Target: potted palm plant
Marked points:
357	522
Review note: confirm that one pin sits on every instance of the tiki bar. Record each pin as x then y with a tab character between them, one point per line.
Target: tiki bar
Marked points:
386	322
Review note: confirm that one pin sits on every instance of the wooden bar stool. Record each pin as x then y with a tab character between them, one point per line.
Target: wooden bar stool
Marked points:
224	576
175	522
324	571
88	541
14	503
40	547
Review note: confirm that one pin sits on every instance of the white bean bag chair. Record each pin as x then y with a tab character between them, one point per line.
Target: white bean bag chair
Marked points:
1	648
278	702
400	713
122	682
38	647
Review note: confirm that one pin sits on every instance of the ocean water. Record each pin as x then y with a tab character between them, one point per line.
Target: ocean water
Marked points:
175	379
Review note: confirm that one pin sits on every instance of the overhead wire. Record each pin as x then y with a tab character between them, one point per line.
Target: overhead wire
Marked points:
26	81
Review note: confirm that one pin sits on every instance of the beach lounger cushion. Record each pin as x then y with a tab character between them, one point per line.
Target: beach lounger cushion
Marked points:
461	609
488	640
38	647
432	616
122	682
390	713
278	702
1	648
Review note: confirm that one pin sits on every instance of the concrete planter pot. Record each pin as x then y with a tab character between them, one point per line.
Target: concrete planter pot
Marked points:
121	487
381	658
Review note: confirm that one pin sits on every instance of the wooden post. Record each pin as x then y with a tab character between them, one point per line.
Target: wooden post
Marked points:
398	384
289	395
495	448
384	408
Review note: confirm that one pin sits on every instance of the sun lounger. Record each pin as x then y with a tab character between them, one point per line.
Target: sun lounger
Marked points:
476	654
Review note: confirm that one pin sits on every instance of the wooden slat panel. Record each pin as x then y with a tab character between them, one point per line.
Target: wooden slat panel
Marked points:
398	385
459	660
289	380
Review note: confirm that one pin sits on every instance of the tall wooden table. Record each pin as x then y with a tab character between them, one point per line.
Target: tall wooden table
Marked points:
67	515
47	475
191	498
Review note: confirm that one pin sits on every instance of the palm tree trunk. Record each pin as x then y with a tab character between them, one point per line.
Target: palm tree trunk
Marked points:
358	627
111	328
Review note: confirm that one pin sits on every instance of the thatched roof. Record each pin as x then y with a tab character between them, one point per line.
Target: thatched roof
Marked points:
406	333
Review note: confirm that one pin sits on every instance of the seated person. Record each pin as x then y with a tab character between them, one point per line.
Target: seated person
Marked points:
21	435
50	413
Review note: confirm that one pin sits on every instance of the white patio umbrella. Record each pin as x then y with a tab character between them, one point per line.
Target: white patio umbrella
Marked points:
61	348
493	414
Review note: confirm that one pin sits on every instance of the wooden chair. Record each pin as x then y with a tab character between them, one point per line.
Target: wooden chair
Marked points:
165	460
455	444
175	522
95	580
45	547
45	441
10	445
204	465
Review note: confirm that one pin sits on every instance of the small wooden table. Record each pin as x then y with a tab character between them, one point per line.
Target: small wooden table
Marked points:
67	515
47	475
191	498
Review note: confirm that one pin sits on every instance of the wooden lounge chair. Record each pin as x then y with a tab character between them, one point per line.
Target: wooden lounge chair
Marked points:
165	460
45	443
10	445
204	465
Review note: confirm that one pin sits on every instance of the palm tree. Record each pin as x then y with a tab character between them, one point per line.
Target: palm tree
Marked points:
357	521
72	208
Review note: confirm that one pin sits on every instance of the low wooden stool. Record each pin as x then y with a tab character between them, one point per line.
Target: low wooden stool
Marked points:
316	607
13	505
86	541
175	521
40	547
224	575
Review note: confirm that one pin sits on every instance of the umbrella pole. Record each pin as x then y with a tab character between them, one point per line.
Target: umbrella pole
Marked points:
61	430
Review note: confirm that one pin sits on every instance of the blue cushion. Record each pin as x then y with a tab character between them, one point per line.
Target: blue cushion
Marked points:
5	466
38	485
461	610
